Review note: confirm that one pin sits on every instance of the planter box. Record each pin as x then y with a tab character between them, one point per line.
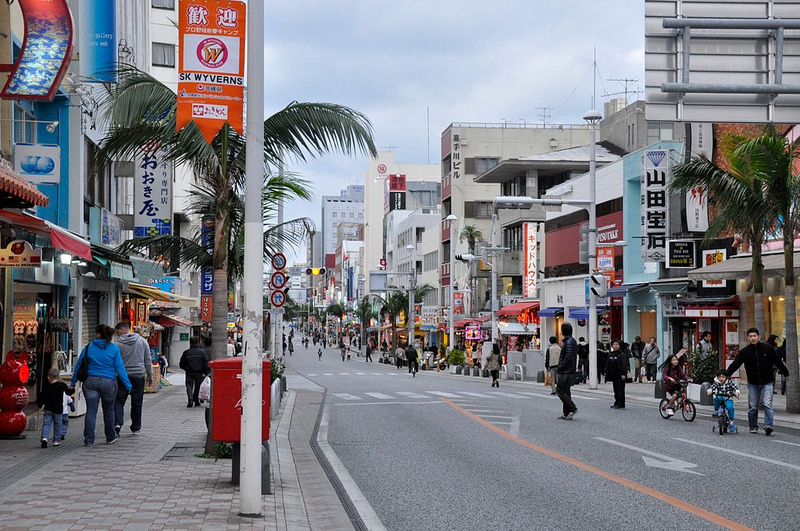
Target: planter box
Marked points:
705	400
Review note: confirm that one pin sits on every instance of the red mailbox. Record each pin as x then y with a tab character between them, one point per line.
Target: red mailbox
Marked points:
226	399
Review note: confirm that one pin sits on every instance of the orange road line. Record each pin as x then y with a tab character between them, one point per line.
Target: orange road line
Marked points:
666	498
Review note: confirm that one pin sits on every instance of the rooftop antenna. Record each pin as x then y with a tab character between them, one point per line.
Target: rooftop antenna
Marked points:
544	114
627	88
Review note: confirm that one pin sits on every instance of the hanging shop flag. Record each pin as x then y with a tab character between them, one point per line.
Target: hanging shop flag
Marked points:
97	40
655	205
211	69
46	51
152	192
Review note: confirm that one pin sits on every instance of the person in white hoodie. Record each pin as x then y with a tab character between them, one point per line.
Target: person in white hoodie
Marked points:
139	366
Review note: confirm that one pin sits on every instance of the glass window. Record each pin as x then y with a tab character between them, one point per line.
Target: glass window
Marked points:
483	164
24	125
163	54
164	4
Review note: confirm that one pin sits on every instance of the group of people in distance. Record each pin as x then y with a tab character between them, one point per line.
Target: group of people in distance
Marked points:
760	360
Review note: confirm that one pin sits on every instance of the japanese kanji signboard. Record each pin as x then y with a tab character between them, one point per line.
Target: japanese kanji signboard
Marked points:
152	190
655	205
211	67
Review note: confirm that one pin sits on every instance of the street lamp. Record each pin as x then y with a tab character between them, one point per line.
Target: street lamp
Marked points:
412	277
593	117
452	218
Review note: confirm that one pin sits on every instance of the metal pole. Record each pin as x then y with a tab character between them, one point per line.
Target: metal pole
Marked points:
452	332
495	305
250	466
412	277
592	117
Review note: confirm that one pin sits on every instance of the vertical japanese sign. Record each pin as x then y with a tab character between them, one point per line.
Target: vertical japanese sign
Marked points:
206	275
211	69
655	208
455	157
46	51
152	194
458	303
529	284
98	40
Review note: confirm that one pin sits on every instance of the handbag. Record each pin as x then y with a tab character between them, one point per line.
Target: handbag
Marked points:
83	369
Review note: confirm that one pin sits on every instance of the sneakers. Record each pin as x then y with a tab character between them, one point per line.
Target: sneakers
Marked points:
731	429
715	414
572	414
44	443
753	430
117	428
56	443
112	441
670	412
136	432
768	431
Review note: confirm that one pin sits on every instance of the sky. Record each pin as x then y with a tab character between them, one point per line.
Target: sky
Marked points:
413	67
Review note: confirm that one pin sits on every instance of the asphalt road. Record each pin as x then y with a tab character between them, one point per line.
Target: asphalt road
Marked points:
440	451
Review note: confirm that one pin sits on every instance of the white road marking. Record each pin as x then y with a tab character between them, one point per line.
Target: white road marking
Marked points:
509	395
361	373
392	403
787	442
328	374
742	454
347	396
660	461
379	373
344	373
380	396
410	394
476	395
443	394
311	374
539	395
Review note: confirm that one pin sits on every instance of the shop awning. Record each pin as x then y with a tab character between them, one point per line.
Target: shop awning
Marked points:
551	311
17	192
621	291
583	313
172	320
740	266
149	292
518	307
670	286
62	238
461	323
516	329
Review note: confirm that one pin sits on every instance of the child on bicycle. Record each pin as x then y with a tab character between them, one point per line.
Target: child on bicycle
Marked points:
672	374
724	390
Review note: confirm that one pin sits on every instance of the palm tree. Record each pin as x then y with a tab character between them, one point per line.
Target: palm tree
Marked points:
740	201
142	112
396	302
338	310
364	312
472	234
774	162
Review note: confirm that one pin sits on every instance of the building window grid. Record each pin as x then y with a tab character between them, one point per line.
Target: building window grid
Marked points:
484	164
163	4
163	54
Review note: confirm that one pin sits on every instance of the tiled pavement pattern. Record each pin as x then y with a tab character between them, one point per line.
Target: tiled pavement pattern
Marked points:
130	485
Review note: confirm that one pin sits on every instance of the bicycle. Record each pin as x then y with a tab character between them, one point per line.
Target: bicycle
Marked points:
687	407
723	420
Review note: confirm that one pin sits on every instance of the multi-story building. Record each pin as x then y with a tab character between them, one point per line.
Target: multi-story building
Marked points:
347	207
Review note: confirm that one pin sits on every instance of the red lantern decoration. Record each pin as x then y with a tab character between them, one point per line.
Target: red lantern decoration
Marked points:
13	396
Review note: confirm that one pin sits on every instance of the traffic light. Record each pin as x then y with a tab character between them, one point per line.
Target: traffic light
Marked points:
597	283
315	271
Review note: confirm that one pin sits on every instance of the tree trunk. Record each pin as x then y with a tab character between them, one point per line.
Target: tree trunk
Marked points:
792	363
758	288
219	314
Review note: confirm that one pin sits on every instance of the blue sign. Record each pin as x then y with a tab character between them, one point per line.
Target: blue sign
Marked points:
98	40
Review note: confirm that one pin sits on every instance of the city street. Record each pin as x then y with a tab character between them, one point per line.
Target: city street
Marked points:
441	451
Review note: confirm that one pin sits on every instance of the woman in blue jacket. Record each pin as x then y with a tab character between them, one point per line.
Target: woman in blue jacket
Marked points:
105	365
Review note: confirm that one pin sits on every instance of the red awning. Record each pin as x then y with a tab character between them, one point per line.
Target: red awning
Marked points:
461	323
61	237
518	307
172	320
16	187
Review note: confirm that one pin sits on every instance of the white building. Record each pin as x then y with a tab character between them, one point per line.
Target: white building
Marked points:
347	207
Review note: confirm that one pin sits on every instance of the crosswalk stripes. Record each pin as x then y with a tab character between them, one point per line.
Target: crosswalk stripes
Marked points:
347	396
445	395
476	395
508	395
409	394
380	396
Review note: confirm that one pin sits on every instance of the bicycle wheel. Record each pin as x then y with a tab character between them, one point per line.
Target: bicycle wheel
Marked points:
688	410
662	408
721	424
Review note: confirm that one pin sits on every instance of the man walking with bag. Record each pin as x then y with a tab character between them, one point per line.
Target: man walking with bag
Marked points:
566	372
136	356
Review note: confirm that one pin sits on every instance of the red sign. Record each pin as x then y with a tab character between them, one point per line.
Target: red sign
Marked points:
46	51
397	182
458	303
205	308
211	69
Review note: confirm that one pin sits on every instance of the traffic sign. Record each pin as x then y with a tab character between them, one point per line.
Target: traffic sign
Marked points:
279	261
278	280
278	299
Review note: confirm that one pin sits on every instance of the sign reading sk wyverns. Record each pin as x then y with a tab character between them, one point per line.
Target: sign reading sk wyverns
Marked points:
655	208
211	70
46	51
152	193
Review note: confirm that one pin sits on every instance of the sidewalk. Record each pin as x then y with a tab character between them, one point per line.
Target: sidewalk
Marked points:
155	480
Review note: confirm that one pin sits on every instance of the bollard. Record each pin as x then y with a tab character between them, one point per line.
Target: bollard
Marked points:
236	456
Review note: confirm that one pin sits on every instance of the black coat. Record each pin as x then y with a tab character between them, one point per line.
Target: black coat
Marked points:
617	364
195	360
568	361
759	361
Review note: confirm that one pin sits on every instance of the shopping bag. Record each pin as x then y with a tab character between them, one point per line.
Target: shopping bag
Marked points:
547	382
205	389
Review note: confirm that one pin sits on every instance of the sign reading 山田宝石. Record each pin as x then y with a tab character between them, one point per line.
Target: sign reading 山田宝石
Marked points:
655	205
152	193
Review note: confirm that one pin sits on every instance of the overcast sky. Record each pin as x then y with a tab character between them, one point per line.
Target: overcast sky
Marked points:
460	61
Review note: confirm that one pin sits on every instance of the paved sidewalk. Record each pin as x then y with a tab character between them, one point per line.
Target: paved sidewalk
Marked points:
155	480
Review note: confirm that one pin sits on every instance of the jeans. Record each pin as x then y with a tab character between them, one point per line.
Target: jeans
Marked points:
754	392
137	399
553	379
51	420
97	389
193	381
563	391
583	368
64	425
727	403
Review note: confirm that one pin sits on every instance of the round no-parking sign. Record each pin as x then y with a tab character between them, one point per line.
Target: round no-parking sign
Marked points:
278	280
279	261
278	299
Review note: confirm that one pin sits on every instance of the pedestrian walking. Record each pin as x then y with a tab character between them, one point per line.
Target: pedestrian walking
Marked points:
413	360
399	354
637	347
583	359
69	406
617	370
368	352
551	362
135	354
291	347
758	359
566	372
494	363
194	362
52	400
106	371
651	355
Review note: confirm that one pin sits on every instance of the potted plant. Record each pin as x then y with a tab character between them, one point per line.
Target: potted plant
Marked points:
456	360
702	371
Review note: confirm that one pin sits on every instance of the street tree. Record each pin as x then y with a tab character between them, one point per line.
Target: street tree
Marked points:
337	310
472	235
364	312
141	112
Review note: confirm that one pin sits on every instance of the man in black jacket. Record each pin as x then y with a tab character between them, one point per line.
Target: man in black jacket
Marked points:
567	363
759	360
411	357
195	363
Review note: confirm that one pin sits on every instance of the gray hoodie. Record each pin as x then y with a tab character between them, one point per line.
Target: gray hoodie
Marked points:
135	354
